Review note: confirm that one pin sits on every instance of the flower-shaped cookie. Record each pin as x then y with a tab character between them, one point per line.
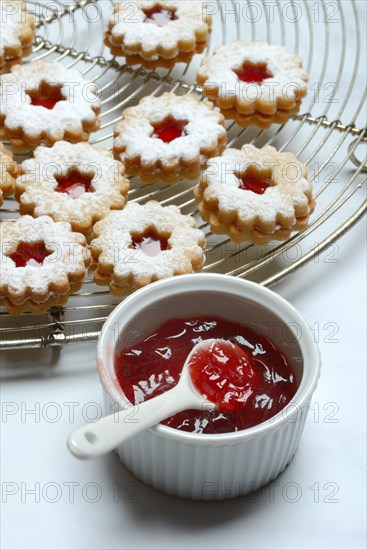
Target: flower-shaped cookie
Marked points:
255	194
158	32
169	136
76	183
254	82
41	103
41	263
9	170
144	243
16	33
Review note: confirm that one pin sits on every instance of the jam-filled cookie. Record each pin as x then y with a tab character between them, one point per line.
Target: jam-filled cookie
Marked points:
41	263
255	194
16	33
9	170
76	183
158	33
169	136
144	243
254	83
41	103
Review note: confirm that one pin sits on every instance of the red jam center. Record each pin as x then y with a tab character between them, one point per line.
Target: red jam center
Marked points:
223	373
45	97
159	16
255	74
257	381
254	183
45	102
74	183
170	129
30	254
150	243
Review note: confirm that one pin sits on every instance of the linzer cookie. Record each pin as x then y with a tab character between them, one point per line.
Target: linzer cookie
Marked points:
76	183
9	170
41	263
169	136
254	83
255	195
144	243
16	33
41	103
158	33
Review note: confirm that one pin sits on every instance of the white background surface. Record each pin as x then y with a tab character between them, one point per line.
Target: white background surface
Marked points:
317	503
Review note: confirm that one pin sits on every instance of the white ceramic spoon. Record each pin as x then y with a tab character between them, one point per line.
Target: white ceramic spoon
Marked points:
96	439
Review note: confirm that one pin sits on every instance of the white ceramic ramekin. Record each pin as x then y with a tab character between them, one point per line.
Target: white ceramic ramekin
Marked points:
220	466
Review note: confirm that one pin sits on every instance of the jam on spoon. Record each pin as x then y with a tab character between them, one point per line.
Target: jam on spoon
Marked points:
109	432
223	374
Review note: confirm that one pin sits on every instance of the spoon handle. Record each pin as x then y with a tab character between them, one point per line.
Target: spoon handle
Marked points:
96	439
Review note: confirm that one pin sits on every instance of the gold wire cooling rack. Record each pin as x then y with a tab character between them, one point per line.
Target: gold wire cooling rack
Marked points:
327	136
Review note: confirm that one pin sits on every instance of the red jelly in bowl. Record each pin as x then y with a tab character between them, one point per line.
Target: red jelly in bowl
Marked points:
255	381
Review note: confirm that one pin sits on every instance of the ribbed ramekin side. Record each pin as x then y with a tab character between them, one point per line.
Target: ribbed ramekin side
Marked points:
211	471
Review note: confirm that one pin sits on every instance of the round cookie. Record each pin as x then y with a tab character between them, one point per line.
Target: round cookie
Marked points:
254	82
168	137
16	33
76	183
42	262
256	195
41	103
158	33
144	243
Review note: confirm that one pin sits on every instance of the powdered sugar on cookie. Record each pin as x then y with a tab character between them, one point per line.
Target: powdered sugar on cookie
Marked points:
282	84
16	30
136	141
73	115
154	29
276	193
105	186
128	267
67	261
